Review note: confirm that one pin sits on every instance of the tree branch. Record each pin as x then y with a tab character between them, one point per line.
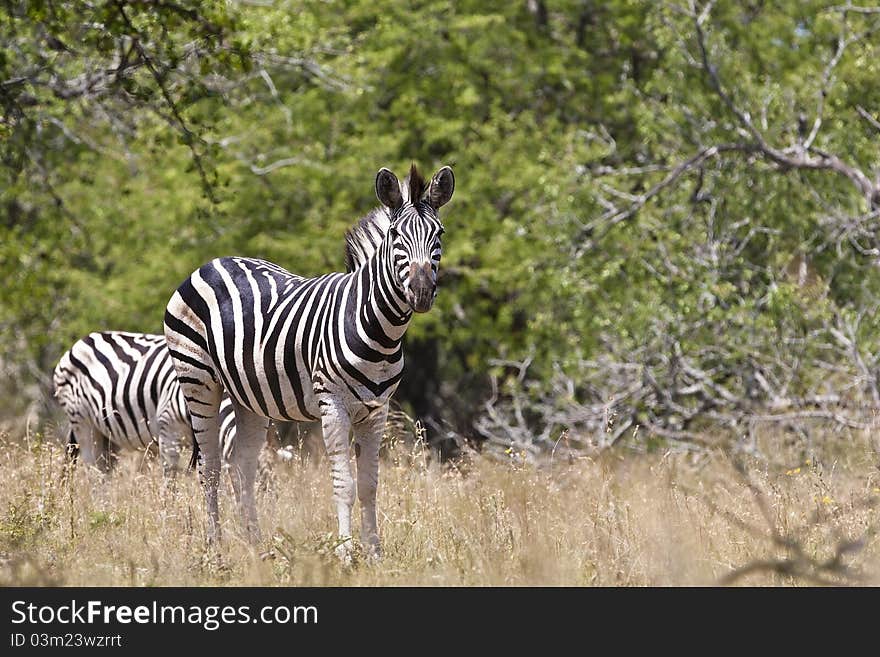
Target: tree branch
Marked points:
189	137
795	158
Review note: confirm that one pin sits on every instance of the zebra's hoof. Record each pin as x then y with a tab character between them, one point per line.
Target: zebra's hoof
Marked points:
343	551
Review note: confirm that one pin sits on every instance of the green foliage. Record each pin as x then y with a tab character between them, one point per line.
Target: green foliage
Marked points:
258	130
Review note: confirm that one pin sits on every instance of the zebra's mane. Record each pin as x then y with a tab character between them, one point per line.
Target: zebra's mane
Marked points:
414	185
363	239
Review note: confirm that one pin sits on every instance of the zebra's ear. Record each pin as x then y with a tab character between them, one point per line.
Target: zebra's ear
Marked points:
441	188
388	189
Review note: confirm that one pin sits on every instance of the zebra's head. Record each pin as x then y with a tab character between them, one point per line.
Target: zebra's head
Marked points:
415	230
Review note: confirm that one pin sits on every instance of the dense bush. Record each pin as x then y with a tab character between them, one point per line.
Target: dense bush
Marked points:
664	215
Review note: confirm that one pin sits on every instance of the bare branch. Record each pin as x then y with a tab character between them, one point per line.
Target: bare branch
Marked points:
278	164
868	117
842	43
617	215
796	158
851	9
190	138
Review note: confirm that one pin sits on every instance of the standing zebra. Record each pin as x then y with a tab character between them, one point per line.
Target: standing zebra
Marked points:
293	348
119	391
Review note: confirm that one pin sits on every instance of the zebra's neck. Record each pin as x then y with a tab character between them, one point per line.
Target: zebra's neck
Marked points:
383	314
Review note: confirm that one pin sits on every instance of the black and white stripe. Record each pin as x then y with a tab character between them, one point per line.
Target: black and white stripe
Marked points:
119	391
291	348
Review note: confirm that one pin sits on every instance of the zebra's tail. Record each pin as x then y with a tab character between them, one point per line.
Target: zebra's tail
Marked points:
194	459
72	447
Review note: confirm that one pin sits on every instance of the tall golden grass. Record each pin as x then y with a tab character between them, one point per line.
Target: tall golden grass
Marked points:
618	519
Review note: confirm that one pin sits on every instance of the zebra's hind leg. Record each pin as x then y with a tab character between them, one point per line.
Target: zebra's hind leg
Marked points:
72	446
336	425
93	445
110	451
170	437
204	404
250	436
367	439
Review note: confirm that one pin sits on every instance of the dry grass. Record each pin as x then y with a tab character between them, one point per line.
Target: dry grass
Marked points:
621	519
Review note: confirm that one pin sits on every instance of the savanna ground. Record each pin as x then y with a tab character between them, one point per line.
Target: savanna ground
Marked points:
621	518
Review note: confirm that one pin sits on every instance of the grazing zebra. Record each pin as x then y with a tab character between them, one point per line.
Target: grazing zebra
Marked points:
292	348
119	391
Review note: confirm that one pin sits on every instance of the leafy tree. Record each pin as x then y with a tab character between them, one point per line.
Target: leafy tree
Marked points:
663	224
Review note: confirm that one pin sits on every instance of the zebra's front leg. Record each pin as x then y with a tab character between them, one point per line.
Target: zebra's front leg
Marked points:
336	426
367	439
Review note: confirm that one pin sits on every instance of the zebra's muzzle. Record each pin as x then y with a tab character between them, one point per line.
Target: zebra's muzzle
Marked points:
422	287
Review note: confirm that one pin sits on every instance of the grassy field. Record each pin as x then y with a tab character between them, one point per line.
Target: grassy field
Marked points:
619	519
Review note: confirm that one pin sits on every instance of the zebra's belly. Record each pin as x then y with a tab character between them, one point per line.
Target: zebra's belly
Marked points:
360	400
301	407
284	391
275	396
124	429
363	405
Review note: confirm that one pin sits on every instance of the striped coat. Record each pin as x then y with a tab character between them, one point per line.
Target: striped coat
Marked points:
119	391
292	348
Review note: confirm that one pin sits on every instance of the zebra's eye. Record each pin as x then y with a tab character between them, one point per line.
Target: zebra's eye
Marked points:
393	231
441	231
